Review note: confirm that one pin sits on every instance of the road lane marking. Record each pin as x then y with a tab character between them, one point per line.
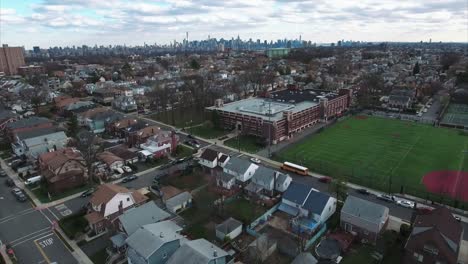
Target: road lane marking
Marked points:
23	237
18	213
53	214
11	217
48	219
46	258
32	238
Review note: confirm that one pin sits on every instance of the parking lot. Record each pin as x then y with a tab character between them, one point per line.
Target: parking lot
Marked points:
29	231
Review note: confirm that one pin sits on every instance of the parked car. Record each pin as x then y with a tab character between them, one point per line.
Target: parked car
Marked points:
155	187
118	170
325	179
16	191
386	198
2	174
127	169
88	192
190	136
457	218
9	182
255	160
129	178
363	191
21	197
405	203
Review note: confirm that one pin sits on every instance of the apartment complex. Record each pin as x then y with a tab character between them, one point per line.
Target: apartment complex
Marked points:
11	58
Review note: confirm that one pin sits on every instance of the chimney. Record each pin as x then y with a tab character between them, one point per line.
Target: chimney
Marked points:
215	253
121	207
161	235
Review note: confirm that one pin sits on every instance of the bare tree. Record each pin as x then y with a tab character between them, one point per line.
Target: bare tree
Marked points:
89	145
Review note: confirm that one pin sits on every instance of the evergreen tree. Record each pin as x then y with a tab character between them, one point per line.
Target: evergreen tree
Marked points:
72	126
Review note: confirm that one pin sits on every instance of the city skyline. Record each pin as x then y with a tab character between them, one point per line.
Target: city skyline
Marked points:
49	23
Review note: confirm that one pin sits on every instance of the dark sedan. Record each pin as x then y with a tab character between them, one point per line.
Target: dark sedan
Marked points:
129	178
363	191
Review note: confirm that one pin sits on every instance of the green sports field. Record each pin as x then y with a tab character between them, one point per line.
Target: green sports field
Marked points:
372	151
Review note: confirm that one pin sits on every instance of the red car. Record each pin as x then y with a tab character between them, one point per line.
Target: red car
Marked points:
325	179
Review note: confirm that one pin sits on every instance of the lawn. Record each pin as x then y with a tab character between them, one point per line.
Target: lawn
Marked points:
246	143
197	217
73	224
186	181
385	154
183	151
206	131
42	194
182	117
243	210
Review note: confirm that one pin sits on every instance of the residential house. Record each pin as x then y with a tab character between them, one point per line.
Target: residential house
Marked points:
134	218
154	243
108	203
223	159
261	248
61	102
231	228
242	169
103	96
124	153
96	119
307	204
161	143
7	117
209	158
110	160
27	124
33	143
435	238
364	219
138	135
401	99
225	180
119	127
269	180
63	169
125	103
200	251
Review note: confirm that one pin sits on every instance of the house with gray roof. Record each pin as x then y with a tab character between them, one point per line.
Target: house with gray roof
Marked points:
179	202
364	219
154	243
200	251
225	180
242	169
268	180
137	217
32	147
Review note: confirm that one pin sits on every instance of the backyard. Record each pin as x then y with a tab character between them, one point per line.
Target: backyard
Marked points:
243	210
186	180
385	154
245	143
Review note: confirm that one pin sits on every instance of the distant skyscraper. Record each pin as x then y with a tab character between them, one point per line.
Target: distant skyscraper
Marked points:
10	59
36	49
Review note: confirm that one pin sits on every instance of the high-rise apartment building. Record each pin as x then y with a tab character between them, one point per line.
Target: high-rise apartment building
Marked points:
10	59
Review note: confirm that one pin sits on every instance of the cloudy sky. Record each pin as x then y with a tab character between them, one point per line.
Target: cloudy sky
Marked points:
76	22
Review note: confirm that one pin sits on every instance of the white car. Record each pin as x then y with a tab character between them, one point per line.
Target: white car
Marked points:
127	169
404	203
255	160
118	170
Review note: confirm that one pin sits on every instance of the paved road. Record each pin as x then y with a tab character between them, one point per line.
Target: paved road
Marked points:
30	231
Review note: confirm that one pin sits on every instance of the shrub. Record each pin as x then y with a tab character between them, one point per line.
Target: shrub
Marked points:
405	230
